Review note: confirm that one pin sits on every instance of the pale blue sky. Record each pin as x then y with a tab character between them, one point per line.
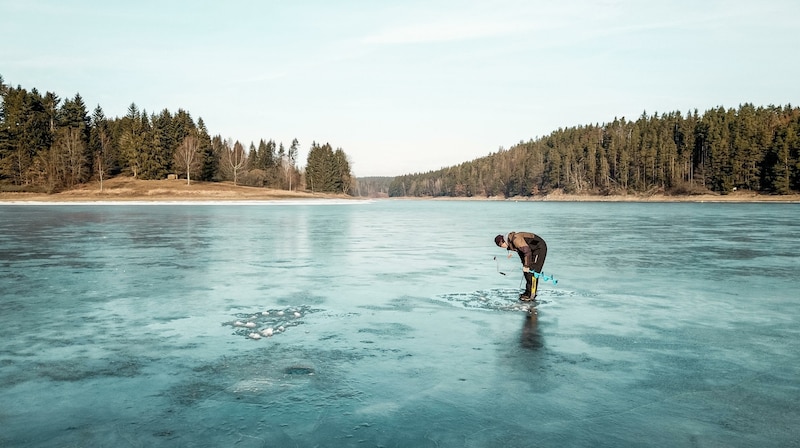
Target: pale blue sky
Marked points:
405	86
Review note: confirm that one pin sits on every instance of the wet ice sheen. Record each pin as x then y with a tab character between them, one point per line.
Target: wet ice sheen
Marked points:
671	325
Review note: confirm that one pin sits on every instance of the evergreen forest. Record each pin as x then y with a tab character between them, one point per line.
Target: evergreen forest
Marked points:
722	150
51	145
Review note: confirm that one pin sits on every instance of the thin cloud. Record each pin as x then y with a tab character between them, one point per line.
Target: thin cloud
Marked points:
442	32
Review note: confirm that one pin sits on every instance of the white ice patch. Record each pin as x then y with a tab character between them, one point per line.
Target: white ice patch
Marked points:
267	323
493	299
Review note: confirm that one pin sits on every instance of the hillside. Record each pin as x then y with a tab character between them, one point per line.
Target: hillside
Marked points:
721	151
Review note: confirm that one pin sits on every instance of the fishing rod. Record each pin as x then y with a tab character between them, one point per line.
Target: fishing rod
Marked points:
498	266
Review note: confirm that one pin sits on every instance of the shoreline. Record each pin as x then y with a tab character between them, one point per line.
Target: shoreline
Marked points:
126	190
167	202
309	198
735	197
662	198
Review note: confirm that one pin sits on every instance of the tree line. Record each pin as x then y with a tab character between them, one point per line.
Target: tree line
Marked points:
47	144
751	148
373	186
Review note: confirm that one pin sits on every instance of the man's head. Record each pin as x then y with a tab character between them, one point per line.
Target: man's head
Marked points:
500	241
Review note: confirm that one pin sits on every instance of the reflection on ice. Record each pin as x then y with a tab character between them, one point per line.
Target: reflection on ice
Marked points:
531	338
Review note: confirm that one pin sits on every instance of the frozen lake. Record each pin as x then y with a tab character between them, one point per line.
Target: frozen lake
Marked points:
127	325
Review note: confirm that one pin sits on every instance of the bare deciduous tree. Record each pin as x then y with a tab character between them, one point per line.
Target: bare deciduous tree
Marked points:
187	157
103	154
70	153
234	160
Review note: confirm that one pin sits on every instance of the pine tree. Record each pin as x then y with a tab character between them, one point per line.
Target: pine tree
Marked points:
72	148
132	140
342	177
315	168
100	142
209	162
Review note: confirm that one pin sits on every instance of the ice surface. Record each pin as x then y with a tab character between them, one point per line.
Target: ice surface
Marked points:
670	325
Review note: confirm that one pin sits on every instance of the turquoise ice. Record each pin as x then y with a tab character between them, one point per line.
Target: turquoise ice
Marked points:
670	325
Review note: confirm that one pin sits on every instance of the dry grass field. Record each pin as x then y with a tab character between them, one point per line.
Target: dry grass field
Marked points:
130	189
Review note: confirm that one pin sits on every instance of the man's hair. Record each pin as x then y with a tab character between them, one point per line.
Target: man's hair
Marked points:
499	240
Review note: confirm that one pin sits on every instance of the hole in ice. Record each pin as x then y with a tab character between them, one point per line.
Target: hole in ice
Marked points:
265	323
492	299
298	370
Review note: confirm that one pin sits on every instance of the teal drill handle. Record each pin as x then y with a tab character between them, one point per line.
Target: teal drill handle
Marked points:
543	276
